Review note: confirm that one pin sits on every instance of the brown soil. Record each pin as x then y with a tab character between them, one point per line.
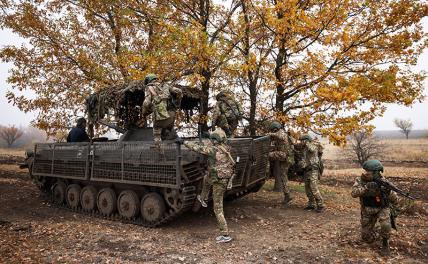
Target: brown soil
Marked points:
264	231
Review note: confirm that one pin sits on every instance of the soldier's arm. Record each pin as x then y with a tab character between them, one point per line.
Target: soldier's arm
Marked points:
216	113
393	198
147	103
176	91
358	189
202	149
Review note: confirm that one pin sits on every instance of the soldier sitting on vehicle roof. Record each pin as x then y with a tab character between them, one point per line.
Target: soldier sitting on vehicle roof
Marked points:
78	133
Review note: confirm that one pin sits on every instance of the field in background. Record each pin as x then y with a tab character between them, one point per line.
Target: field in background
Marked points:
394	150
12	152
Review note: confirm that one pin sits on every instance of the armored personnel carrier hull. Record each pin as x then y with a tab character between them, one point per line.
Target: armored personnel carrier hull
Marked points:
137	181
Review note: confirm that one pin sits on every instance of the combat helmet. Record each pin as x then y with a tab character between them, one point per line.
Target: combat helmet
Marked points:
218	135
222	94
275	125
305	137
373	165
149	78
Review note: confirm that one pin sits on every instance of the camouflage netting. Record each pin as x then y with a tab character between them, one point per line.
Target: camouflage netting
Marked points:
124	103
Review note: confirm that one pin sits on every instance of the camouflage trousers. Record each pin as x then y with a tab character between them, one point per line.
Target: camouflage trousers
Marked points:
369	217
158	125
281	168
219	188
206	187
311	188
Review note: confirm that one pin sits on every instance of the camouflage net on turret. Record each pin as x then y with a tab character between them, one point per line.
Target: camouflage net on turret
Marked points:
124	102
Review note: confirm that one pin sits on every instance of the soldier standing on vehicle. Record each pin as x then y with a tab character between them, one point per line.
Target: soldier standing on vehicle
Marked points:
220	172
311	165
227	113
283	153
375	204
158	99
78	133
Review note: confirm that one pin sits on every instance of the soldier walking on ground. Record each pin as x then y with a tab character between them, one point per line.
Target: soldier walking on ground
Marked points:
158	99
311	164
220	171
375	204
227	113
283	153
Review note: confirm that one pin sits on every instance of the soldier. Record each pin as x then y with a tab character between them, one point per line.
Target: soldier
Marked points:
375	204
310	163
283	153
220	171
227	113
78	133
158	100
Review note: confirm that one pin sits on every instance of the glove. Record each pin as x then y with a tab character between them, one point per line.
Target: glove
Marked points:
179	140
372	186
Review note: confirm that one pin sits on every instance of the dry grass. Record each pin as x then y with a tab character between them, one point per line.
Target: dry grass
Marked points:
407	172
395	150
12	152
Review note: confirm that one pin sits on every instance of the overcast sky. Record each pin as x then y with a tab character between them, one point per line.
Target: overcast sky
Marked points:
11	115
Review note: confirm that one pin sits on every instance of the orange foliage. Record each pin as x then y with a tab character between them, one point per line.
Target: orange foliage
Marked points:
323	66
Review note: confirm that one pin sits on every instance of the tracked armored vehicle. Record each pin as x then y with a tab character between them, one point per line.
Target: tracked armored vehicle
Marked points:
132	179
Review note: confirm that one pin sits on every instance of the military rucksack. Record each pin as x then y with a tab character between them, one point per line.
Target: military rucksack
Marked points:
160	96
232	110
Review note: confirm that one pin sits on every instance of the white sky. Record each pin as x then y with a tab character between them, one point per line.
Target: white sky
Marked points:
11	115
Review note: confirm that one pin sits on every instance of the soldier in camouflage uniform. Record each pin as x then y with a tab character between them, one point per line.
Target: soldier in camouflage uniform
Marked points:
227	113
310	163
158	100
375	204
283	153
220	172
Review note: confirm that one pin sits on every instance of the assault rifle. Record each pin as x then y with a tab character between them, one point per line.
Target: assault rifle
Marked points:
116	128
389	186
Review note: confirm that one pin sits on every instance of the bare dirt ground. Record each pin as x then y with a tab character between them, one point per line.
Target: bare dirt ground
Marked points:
264	231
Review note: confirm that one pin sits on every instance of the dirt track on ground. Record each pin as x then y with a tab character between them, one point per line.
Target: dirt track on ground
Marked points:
264	231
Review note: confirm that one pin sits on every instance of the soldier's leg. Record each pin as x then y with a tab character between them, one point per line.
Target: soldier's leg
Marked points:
206	186
219	187
158	125
233	124
313	183
385	222
368	222
157	131
385	229
283	166
308	191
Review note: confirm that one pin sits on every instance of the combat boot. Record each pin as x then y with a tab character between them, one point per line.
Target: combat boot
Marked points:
287	199
385	251
309	207
320	209
203	203
223	239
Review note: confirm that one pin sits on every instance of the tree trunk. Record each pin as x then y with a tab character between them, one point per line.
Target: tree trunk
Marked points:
253	107
204	100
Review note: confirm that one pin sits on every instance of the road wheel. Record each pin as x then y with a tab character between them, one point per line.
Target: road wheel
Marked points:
152	207
73	195
106	201
128	204
58	192
88	198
